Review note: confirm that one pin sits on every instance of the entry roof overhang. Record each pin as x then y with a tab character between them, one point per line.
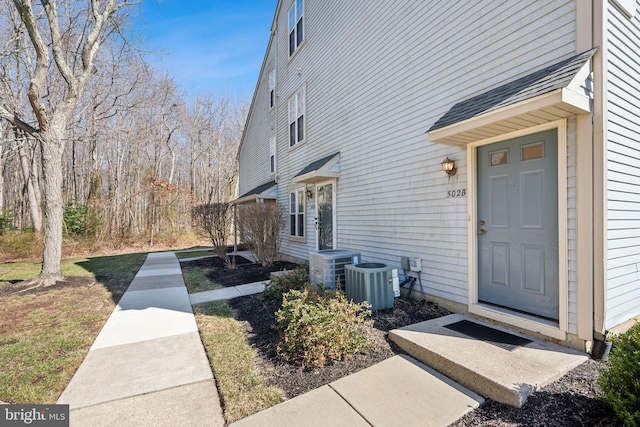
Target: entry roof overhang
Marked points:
558	91
320	170
261	192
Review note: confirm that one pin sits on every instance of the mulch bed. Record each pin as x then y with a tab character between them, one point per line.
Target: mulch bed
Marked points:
245	271
573	400
258	322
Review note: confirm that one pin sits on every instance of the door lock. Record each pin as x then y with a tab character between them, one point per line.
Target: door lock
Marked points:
481	231
482	222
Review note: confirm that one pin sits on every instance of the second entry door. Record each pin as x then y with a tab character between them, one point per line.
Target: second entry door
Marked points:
518	224
324	206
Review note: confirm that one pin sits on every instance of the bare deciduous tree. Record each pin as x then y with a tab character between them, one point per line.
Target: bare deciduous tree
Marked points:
261	227
215	219
73	50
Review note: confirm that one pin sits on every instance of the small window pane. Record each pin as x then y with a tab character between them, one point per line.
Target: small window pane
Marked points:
300	128
300	102
299	34
533	151
499	158
301	225
292	41
292	134
292	221
299	8
300	202
292	18
293	203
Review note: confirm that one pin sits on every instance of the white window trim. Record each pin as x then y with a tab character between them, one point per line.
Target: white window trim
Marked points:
530	323
300	195
298	15
294	104
272	155
272	89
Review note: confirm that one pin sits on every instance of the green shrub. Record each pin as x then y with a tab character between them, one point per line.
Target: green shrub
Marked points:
621	381
74	217
319	327
7	218
297	280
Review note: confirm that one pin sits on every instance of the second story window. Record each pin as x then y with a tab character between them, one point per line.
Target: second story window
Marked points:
272	154
272	88
296	26
296	117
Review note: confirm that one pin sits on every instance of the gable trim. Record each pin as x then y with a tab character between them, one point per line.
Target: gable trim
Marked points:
320	170
554	93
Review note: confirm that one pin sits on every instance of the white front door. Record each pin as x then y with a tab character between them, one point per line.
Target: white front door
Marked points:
517	214
325	215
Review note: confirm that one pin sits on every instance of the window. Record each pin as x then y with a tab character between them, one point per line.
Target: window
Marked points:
296	213
296	117
296	31
272	154
272	88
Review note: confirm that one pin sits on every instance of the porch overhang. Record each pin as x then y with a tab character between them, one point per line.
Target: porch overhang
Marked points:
268	191
320	170
559	91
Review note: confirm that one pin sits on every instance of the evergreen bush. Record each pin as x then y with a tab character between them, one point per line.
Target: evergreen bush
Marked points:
620	382
297	279
74	218
318	327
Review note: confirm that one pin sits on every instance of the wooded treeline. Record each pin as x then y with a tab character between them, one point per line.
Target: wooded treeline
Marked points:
138	153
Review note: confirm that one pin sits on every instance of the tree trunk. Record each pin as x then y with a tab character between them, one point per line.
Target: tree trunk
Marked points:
34	206
52	182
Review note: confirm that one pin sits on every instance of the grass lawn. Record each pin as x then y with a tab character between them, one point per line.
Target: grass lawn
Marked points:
45	333
196	279
195	253
242	389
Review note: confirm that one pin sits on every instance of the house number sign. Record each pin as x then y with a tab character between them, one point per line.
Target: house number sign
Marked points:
457	193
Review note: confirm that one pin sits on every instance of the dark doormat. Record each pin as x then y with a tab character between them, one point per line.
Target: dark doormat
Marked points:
492	336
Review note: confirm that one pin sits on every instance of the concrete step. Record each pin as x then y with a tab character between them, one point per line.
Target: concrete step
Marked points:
507	376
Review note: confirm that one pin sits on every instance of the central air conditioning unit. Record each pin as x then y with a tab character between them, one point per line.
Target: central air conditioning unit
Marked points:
371	282
327	266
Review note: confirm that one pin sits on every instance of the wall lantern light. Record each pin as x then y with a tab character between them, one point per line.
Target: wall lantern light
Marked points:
309	194
449	167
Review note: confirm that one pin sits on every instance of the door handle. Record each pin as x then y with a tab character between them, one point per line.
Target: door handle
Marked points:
481	231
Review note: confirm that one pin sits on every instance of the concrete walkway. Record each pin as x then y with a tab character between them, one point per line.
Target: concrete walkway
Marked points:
147	365
398	392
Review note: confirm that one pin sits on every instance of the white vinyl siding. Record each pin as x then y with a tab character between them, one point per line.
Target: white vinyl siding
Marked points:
373	101
254	152
623	168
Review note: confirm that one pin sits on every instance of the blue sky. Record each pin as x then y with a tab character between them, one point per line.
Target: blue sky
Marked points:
209	46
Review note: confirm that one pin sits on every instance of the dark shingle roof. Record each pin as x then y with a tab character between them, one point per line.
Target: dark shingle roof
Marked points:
314	166
259	189
547	80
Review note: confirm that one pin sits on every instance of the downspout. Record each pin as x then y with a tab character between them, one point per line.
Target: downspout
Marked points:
600	172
